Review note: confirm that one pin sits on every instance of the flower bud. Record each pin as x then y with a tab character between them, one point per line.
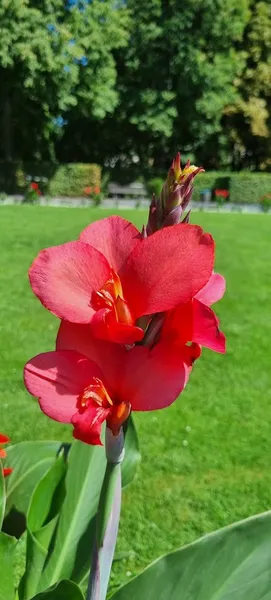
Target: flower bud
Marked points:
174	197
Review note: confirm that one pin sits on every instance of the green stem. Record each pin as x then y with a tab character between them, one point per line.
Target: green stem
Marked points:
107	520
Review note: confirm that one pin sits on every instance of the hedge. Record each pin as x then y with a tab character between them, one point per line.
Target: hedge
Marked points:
244	187
54	179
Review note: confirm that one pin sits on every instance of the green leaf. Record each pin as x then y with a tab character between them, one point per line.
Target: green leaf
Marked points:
132	455
65	590
2	496
29	460
230	564
7	545
71	554
41	522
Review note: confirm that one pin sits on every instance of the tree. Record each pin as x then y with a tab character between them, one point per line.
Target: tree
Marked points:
175	78
54	56
249	118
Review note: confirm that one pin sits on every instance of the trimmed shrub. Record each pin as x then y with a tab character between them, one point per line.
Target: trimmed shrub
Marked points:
54	179
244	187
73	178
247	188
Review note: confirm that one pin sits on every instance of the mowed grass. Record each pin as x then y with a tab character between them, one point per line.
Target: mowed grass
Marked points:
206	459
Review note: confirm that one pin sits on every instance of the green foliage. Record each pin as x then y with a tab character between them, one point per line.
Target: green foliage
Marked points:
71	179
230	563
29	461
265	202
248	119
53	179
65	590
244	188
52	59
42	520
61	498
2	496
7	546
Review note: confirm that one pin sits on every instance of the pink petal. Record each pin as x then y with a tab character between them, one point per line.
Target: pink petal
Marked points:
152	379
108	356
206	328
57	378
88	425
64	277
114	237
167	268
213	291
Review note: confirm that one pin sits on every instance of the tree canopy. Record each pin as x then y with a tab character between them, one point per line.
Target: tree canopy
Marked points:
123	81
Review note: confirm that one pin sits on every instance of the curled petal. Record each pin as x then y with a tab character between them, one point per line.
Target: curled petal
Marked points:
64	277
87	426
114	237
213	291
57	379
167	268
104	325
4	439
206	328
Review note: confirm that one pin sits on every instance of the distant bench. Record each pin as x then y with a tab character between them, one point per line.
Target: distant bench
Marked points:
134	191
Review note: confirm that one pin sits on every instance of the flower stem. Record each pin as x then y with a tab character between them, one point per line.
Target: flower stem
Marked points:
107	520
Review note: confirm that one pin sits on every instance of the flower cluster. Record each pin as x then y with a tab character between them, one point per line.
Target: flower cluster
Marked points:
4	439
135	312
92	190
32	192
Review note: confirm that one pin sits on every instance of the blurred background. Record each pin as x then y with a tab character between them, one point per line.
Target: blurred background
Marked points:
125	84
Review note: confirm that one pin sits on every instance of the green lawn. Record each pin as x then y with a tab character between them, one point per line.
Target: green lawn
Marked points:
190	481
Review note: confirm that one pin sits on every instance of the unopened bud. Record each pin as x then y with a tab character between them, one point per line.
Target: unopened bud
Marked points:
174	197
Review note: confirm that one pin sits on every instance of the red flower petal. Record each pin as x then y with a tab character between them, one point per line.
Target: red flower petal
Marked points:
57	378
3	453
7	472
114	237
105	326
167	268
4	439
87	426
108	356
152	379
64	277
213	291
206	328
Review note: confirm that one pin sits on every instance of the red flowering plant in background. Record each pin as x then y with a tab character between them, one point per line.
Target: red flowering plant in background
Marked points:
32	192
94	193
4	439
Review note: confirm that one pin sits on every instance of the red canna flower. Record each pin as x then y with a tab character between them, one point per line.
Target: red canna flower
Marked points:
34	186
88	381
195	321
97	190
111	276
4	439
